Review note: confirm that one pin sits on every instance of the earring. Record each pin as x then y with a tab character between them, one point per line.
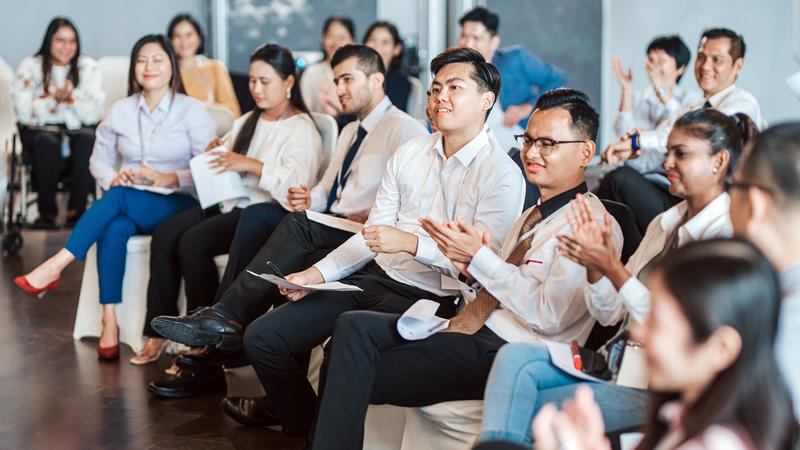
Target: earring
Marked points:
716	169
289	94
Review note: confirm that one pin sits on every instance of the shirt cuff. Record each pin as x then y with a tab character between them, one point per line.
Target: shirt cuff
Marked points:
649	140
318	199
184	178
484	264
327	267
426	250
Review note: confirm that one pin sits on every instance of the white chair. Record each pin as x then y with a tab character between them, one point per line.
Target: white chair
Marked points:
115	77
132	311
452	425
223	117
8	117
416	103
330	132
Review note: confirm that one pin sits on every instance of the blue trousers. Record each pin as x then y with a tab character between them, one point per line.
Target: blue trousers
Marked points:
121	213
523	379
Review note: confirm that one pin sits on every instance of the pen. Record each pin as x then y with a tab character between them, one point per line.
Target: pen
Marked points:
533	261
275	269
576	356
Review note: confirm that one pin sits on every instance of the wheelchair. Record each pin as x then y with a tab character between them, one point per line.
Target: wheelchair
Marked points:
20	188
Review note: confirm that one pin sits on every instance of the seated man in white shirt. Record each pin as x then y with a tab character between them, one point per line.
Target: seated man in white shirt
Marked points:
720	59
347	189
457	172
529	291
765	209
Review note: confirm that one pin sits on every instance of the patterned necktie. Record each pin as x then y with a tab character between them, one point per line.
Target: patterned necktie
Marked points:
344	173
475	314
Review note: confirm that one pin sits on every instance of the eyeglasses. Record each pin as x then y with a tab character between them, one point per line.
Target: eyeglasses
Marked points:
544	145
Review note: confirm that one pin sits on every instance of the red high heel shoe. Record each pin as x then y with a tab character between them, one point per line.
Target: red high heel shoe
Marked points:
109	353
23	284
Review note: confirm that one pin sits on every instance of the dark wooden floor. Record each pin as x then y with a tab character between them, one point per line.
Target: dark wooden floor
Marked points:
55	394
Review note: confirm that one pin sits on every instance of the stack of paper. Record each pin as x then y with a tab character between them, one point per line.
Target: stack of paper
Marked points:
420	321
214	188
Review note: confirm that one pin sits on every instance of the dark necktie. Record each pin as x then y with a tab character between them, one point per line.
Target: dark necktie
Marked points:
344	172
477	312
707	104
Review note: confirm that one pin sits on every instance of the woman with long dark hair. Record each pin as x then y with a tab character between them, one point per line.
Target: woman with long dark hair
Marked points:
152	134
711	364
316	84
204	78
58	97
704	146
273	147
384	38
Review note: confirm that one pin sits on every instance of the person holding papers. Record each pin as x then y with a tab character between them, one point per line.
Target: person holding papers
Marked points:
525	293
457	172
156	130
275	146
362	151
704	146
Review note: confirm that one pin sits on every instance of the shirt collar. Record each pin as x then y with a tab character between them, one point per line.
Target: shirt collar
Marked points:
699	224
552	205
371	121
469	151
162	106
790	280
717	98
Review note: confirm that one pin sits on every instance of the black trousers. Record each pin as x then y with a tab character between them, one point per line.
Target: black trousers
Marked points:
43	151
295	245
256	225
294	328
370	363
184	247
645	198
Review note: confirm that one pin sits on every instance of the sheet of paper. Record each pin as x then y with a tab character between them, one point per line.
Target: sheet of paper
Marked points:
334	222
154	189
629	441
561	356
420	321
284	283
213	188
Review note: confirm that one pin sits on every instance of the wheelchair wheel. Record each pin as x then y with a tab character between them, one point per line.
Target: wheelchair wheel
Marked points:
12	242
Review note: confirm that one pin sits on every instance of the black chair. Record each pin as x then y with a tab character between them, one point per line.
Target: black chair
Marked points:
531	191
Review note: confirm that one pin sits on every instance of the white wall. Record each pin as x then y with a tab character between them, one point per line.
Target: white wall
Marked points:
106	27
765	24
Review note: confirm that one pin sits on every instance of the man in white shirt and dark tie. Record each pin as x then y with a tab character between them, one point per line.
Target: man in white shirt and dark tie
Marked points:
765	209
527	292
458	171
720	59
347	189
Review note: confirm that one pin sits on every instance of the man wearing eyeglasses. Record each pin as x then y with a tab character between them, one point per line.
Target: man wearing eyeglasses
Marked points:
527	292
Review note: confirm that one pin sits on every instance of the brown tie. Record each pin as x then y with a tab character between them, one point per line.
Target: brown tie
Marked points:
475	314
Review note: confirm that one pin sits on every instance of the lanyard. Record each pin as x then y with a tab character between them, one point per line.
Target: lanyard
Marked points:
145	146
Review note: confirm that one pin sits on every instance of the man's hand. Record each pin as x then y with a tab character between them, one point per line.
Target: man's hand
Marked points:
359	219
458	241
618	152
299	198
590	243
312	275
389	239
515	113
625	78
662	83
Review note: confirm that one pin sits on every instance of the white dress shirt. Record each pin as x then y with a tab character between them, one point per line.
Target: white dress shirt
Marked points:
291	150
33	108
789	333
648	110
543	297
479	183
609	306
178	129
730	100
387	129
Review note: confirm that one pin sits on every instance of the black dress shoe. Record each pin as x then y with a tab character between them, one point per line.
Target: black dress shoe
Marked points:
212	357
187	383
249	411
205	326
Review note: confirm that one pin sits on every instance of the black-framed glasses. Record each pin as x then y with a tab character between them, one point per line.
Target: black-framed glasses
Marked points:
544	145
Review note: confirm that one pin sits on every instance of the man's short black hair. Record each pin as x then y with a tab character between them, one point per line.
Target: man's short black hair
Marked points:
673	46
737	41
773	163
584	118
489	19
369	61
485	74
